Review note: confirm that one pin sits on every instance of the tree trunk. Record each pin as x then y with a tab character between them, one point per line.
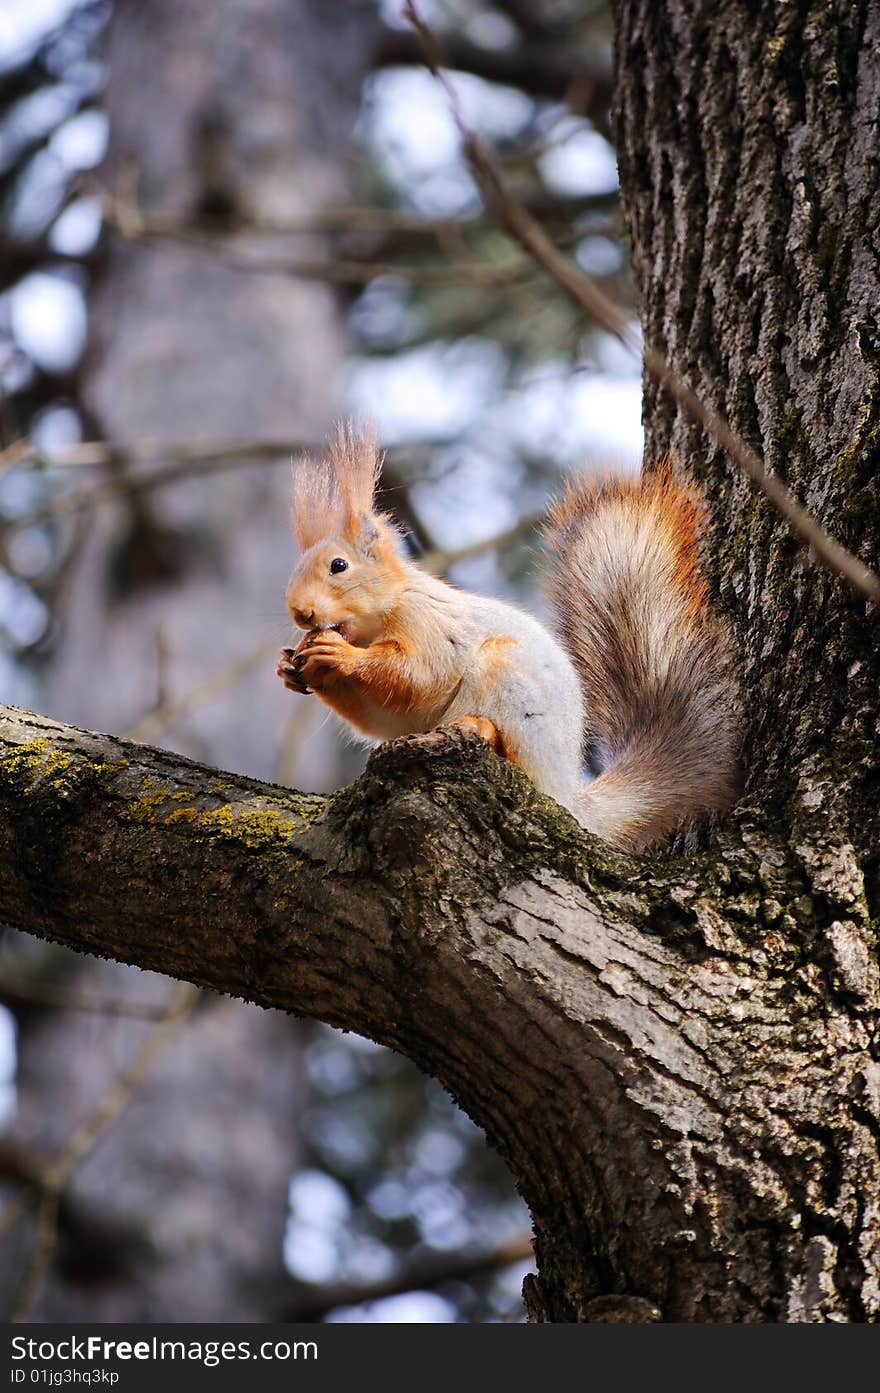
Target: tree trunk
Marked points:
676	1055
747	139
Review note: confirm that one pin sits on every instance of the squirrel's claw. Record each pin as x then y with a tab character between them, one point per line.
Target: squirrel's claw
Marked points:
288	669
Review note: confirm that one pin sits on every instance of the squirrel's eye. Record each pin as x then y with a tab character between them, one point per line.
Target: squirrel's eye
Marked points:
338	564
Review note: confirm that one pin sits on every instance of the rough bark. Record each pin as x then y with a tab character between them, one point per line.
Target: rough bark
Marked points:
747	138
747	144
680	1083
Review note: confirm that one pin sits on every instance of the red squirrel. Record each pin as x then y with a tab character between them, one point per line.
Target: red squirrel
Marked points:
638	679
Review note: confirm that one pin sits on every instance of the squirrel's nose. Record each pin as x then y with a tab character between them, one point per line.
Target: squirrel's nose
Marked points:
305	621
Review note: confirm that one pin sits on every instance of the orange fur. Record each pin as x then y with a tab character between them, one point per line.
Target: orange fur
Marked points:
672	504
633	610
496	655
352	679
349	703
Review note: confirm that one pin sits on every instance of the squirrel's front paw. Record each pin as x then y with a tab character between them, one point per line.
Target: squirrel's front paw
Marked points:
325	658
288	670
290	663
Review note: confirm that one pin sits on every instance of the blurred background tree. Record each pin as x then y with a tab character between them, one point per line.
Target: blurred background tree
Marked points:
222	225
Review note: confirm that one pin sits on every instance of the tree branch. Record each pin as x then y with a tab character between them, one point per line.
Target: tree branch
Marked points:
444	907
335	271
83	1140
188	459
312	1303
559	71
128	218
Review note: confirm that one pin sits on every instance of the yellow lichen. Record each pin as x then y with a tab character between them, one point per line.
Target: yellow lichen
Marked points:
250	827
152	800
39	757
41	764
146	806
24	758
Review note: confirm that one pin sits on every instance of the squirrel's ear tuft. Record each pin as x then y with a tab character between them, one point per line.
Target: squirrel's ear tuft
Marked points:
317	508
334	497
356	464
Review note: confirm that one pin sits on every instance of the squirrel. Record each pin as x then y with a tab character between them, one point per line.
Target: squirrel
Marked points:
639	680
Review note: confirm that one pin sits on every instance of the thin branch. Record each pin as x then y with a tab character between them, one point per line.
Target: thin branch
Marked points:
215	684
13	1212
29	1172
439	561
555	70
57	996
89	454
189	460
315	1303
348	218
133	485
339	272
585	293
85	1137
45	1243
192	459
221	246
191	456
18	452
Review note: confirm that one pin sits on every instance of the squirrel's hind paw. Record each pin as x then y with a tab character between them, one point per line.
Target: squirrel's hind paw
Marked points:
479	726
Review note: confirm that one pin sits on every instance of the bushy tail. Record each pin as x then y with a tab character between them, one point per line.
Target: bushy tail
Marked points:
632	609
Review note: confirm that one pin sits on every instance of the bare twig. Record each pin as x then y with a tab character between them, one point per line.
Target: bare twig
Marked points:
57	996
340	272
583	291
194	454
192	459
132	485
556	70
207	454
45	1243
85	1137
214	684
438	561
345	218
15	1210
89	1132
14	453
311	1305
189	459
